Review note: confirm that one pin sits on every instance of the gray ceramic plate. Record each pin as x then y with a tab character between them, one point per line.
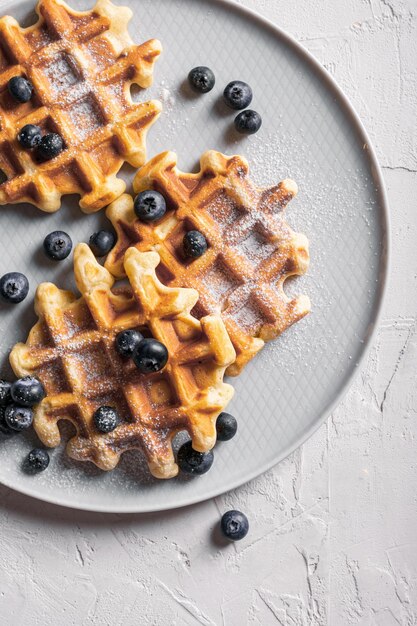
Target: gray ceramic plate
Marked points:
311	134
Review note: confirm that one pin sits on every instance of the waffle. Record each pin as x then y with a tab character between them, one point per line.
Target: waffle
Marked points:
252	250
71	350
82	66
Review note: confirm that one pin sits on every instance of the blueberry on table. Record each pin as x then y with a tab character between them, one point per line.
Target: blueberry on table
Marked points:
18	417
201	79
238	95
150	206
226	426
20	89
50	146
29	136
127	341
102	242
37	461
57	245
27	391
248	122
4	428
150	356
14	287
192	462
5	395
194	244
234	525
106	419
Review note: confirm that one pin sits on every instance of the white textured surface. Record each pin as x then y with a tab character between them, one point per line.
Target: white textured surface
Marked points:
333	528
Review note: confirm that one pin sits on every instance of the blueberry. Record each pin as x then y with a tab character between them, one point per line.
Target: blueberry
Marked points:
238	95
127	341
4	428
192	462
102	242
5	396
234	525
57	245
50	146
29	136
106	419
20	89
150	206
27	391
37	461
150	356
201	79
194	244
18	417
14	287
226	427
248	122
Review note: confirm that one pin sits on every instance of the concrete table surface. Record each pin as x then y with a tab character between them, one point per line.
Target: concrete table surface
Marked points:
333	536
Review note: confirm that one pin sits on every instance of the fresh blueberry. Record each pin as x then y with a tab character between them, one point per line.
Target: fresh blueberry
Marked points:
50	146
192	462
14	287
20	89
5	395
201	79
238	95
127	341
4	428
106	419
37	461
150	206
234	525
18	417
150	356
27	391
226	427
194	244
29	136
102	242
248	122
57	245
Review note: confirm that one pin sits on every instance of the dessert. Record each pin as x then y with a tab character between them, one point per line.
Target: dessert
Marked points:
67	119
72	350
241	252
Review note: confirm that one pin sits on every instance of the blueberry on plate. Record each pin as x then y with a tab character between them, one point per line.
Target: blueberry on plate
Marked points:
226	426
5	395
20	89
27	391
57	245
201	79
234	525
150	356
50	146
248	122
150	206
194	244
4	428
102	242
192	462
238	95
106	419
18	417
29	136
37	461
14	287
127	341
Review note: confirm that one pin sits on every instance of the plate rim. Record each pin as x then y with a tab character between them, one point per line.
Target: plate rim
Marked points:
384	273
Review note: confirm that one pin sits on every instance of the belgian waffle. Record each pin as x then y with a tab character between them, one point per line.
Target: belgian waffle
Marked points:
252	250
71	350
82	66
